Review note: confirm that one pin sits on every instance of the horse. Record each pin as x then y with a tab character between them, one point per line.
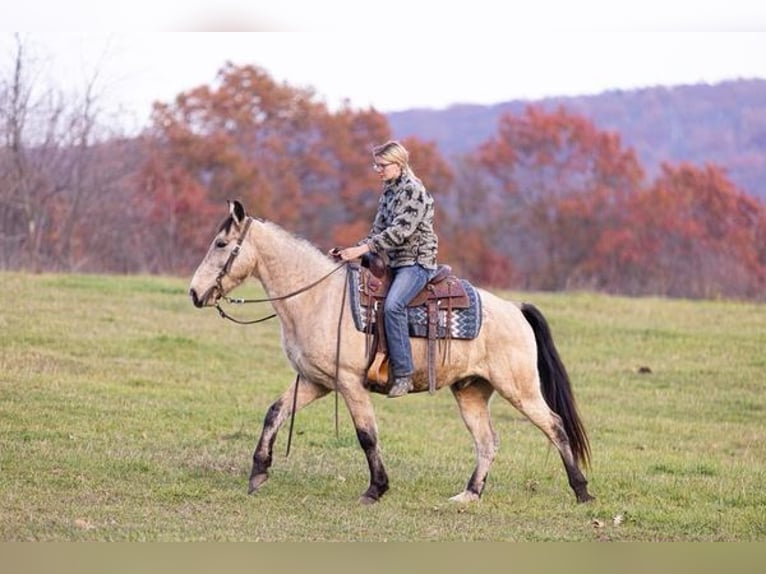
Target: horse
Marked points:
514	354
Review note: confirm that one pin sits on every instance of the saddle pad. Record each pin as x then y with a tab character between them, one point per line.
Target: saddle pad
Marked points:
464	323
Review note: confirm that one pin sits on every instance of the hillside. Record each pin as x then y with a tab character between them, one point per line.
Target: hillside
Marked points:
724	124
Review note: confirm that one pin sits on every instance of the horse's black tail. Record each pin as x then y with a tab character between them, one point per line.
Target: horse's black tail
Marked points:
556	388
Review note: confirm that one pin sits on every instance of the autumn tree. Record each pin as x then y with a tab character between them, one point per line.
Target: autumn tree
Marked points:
218	143
347	190
276	147
692	233
552	183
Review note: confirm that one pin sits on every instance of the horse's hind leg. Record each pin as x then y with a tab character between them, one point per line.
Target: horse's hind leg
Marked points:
472	397
550	423
275	417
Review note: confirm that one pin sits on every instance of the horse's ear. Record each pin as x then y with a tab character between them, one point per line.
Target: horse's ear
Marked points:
237	211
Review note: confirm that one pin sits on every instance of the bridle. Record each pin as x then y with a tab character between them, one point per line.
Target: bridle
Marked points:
225	270
232	256
238	301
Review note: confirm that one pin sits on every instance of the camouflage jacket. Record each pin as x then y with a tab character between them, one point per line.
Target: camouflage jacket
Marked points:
403	226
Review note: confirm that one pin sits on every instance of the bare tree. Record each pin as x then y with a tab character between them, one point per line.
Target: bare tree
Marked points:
56	171
17	230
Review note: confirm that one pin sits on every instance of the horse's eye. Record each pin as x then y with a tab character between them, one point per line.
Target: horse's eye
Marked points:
221	243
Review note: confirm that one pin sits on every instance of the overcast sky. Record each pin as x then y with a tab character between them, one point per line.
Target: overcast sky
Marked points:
391	55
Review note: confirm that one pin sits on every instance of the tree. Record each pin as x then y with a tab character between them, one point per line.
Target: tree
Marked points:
555	183
272	145
22	187
692	233
55	172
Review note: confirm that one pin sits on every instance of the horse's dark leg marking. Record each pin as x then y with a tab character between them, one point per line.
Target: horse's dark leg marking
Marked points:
472	397
275	417
576	478
378	477
359	406
263	455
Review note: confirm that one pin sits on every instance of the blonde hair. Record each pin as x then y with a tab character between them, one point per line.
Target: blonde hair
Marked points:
394	152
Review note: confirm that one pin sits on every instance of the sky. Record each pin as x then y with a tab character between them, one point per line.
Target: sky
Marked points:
392	55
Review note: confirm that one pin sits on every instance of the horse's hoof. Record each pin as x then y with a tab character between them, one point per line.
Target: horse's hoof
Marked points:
585	498
365	500
465	497
256	482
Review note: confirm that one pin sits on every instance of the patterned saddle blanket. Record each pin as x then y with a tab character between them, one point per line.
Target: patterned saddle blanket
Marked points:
459	321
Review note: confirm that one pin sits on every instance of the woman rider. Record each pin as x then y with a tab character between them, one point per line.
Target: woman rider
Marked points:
402	230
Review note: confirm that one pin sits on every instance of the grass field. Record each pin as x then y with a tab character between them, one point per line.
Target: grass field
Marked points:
126	415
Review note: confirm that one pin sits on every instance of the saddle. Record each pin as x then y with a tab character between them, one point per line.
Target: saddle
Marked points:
442	294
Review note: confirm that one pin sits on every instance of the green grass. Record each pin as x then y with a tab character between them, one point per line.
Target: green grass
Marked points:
126	415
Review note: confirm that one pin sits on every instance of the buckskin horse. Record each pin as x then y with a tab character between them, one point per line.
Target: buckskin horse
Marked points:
513	354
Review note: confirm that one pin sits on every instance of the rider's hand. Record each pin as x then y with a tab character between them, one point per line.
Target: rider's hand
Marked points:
349	253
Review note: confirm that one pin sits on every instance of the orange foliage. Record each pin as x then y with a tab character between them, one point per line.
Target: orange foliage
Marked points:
272	146
559	182
692	233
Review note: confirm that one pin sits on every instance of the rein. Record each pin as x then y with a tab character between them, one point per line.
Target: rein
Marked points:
237	301
288	295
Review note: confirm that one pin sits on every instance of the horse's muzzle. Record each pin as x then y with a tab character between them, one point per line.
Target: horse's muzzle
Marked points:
203	300
195	298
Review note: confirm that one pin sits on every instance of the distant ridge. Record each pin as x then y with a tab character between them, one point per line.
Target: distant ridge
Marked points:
722	123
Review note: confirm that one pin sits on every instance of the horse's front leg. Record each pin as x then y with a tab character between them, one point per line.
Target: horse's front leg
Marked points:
359	405
275	417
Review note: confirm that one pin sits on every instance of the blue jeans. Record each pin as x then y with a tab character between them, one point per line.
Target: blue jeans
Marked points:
408	281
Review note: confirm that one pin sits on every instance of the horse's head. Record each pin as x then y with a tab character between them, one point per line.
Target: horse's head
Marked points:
228	260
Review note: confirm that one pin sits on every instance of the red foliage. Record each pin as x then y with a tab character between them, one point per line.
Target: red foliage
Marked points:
561	182
692	233
272	146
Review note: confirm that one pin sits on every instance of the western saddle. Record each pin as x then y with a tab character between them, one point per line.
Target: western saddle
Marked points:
444	292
